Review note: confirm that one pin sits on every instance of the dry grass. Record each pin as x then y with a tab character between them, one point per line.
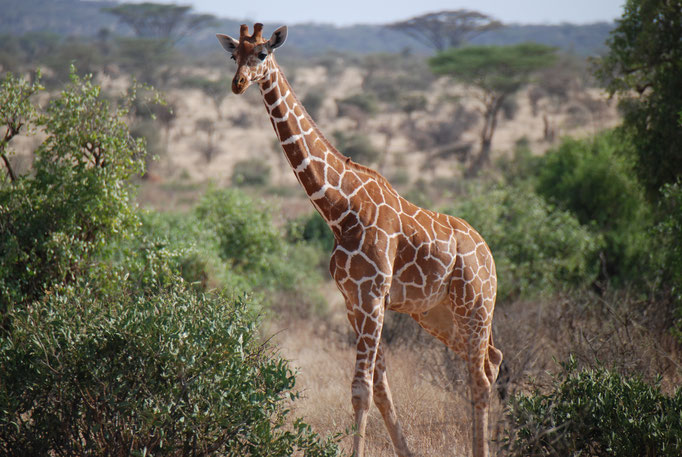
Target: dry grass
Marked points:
616	331
434	419
429	385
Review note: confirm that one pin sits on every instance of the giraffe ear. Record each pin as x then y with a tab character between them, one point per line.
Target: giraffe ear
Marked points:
278	38
228	43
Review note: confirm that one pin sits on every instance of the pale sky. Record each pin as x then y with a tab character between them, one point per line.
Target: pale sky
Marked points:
346	12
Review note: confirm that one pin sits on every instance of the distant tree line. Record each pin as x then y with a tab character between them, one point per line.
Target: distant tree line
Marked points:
88	19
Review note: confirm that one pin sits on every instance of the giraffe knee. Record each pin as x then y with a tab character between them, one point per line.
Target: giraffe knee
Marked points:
480	386
361	394
381	397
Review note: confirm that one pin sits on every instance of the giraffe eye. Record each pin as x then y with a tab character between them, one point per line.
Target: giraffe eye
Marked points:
262	56
233	57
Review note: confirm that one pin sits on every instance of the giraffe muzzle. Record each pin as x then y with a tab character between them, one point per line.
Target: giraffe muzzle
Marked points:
239	84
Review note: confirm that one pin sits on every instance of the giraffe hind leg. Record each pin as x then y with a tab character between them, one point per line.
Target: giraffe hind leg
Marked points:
482	373
477	349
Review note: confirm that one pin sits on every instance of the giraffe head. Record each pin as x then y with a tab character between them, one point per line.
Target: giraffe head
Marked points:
251	52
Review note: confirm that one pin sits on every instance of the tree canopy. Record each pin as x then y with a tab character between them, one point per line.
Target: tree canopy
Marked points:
444	29
644	67
158	20
498	71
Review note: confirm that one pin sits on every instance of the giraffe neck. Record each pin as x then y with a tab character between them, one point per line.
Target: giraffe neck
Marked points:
318	166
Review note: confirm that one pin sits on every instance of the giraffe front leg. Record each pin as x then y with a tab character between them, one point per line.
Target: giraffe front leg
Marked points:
384	402
369	319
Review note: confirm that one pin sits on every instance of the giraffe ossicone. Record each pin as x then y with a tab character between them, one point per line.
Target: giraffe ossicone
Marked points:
389	254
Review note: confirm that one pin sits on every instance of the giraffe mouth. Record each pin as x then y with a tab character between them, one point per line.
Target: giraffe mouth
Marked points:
239	84
239	89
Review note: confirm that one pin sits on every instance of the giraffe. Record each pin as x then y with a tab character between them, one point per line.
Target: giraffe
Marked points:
388	253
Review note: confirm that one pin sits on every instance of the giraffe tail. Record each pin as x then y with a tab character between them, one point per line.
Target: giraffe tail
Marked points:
502	381
497	368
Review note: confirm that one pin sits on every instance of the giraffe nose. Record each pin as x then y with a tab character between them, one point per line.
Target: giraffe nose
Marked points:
238	83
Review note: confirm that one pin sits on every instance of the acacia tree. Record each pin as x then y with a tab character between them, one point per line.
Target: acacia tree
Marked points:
160	21
444	29
498	72
157	28
644	67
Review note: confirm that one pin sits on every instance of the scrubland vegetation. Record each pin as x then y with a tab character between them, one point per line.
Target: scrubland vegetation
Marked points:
146	311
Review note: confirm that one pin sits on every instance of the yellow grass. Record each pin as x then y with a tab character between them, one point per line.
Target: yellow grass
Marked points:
434	411
429	386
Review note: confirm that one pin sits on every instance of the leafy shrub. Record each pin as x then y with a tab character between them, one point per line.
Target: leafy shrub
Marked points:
110	353
247	237
596	412
75	200
165	248
594	180
251	172
312	229
255	250
173	373
537	248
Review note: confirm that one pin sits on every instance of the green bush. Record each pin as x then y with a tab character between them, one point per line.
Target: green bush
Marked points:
594	179
112	351
226	243
537	248
247	237
596	412
173	373
251	172
165	247
75	200
255	250
312	229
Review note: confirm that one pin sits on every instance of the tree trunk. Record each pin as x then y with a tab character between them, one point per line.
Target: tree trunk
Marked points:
481	161
489	125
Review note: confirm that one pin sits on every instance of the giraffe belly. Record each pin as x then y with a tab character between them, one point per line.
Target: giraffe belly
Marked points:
411	298
423	282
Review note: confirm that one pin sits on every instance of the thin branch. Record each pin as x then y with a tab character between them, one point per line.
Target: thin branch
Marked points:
10	133
10	172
